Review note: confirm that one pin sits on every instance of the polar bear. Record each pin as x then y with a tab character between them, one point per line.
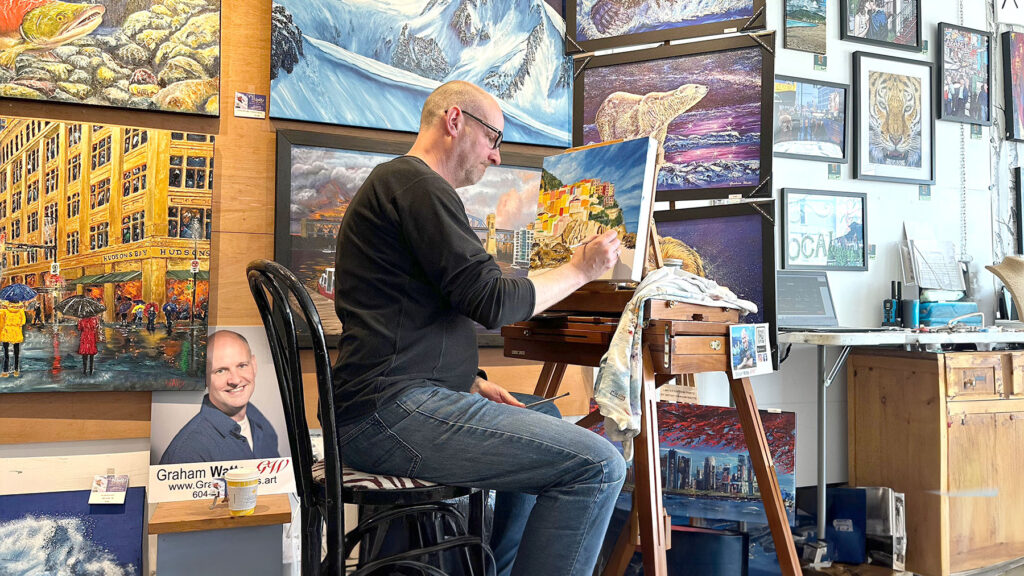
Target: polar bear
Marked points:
623	115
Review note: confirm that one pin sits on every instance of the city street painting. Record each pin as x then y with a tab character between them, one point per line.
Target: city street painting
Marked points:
810	120
600	24
1013	84
706	470
708	104
965	71
104	256
319	174
60	533
734	245
154	55
888	23
335	62
805	25
590	191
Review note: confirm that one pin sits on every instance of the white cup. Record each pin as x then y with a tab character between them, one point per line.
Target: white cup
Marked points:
242	484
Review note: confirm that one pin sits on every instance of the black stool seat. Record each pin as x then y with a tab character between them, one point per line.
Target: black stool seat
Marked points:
382	490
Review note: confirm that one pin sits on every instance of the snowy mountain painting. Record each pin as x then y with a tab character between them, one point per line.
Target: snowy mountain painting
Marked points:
372	63
60	533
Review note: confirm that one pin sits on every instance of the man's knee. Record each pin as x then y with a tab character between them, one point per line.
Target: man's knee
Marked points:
613	465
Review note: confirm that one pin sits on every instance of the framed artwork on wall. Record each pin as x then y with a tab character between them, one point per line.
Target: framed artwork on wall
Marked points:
137	55
965	73
1013	84
1010	12
732	244
318	174
893	143
1018	205
810	120
709	105
824	230
805	25
335	62
602	24
888	23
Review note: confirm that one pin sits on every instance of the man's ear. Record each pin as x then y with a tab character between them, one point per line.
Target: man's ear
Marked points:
252	360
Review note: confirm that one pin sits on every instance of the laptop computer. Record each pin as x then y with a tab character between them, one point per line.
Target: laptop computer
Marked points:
804	304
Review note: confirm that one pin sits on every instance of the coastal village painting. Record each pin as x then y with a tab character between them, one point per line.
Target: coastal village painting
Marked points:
140	54
591	191
104	256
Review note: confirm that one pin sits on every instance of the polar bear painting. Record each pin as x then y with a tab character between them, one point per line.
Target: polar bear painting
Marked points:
625	116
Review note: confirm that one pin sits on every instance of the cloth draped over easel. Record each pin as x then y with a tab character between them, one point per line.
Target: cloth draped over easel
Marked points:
620	375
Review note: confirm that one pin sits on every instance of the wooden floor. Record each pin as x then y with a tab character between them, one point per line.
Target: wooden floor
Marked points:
868	570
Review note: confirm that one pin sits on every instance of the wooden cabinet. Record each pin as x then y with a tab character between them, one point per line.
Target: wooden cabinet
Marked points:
948	431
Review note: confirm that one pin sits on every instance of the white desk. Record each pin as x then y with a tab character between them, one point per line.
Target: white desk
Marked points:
930	341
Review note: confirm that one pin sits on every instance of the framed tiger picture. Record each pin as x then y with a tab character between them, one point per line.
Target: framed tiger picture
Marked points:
893	119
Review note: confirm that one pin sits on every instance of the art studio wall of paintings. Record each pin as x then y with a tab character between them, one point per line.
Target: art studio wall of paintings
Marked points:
132	253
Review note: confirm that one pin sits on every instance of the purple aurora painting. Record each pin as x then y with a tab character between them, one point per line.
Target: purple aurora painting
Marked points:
705	108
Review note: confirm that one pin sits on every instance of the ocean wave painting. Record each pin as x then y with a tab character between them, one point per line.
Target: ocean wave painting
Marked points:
372	63
59	533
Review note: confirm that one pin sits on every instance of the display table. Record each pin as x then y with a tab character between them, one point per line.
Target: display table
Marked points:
193	539
869	344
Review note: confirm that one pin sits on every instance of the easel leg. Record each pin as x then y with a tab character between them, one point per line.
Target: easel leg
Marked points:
647	498
550	379
767	481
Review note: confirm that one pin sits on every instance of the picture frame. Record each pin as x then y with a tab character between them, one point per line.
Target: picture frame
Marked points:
965	75
305	229
879	154
732	244
710	148
1013	84
824	230
1010	12
790	138
613	29
893	23
805	26
339	70
1018	205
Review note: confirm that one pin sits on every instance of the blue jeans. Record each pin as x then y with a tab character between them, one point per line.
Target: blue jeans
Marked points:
466	440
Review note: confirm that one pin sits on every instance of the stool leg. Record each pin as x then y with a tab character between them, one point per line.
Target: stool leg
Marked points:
477	519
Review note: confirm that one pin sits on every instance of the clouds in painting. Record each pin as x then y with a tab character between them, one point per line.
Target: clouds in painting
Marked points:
325	178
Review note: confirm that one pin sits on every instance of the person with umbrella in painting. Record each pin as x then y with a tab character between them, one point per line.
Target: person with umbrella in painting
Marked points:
87	310
12	322
150	313
170	313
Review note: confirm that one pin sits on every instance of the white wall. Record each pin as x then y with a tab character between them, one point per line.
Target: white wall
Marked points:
858	295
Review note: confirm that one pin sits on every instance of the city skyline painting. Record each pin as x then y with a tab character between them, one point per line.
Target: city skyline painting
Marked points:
334	61
590	191
42	531
156	55
104	256
319	174
705	466
708	104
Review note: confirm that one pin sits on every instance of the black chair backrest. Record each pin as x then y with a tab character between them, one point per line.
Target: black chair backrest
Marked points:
282	300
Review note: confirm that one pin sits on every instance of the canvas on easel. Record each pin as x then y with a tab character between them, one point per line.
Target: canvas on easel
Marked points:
589	191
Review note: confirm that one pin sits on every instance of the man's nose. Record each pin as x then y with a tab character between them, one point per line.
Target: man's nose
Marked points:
495	157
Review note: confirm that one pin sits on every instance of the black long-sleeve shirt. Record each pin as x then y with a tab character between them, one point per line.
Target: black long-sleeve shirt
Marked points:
411	278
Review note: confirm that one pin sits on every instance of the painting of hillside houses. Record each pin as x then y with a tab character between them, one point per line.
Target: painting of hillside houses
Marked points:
140	54
104	256
591	191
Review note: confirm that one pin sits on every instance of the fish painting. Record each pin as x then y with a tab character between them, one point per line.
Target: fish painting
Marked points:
42	25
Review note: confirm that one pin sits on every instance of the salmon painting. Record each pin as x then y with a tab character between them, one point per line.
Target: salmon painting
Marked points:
42	25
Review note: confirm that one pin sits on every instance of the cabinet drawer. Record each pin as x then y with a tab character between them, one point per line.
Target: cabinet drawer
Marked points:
1015	387
975	376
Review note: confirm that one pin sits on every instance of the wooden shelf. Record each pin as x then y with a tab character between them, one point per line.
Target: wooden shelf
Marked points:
195	515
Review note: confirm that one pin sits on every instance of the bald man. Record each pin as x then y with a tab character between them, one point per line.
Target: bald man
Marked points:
412	278
227	426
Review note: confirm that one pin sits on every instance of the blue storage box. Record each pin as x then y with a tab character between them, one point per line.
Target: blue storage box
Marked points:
939	313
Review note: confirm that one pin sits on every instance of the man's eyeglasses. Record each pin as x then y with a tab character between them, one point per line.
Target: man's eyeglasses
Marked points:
496	143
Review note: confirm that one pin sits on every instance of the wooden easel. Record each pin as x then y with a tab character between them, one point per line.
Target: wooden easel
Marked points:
679	340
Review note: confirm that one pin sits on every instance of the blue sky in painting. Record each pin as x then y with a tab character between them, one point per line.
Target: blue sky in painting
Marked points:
624	164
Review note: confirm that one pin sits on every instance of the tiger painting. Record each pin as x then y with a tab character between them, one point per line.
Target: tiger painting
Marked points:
894	119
